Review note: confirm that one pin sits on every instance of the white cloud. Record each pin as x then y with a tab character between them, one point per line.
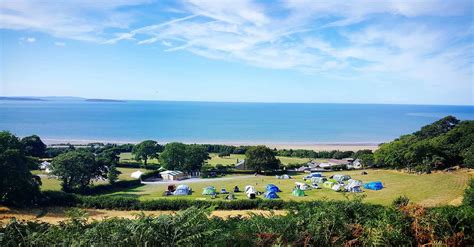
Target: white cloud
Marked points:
57	43
83	20
31	39
358	40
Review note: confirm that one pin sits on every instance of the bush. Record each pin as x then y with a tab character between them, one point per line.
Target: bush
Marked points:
400	201
469	194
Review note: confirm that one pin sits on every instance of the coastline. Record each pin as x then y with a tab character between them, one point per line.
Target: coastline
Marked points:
316	146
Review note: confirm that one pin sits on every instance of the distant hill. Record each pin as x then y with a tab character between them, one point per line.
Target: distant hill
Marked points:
104	100
21	98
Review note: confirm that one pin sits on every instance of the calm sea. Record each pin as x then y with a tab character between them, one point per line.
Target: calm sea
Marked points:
220	122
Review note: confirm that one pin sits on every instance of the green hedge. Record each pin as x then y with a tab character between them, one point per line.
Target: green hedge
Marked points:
57	198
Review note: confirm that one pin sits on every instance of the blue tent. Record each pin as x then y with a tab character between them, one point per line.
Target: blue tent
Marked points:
271	195
182	190
272	188
373	185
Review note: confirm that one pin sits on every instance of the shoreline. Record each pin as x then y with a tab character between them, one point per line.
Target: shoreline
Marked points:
316	146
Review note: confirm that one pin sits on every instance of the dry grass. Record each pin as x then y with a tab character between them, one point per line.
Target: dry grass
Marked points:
55	215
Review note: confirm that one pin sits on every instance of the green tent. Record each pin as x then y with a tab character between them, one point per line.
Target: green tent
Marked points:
298	192
209	190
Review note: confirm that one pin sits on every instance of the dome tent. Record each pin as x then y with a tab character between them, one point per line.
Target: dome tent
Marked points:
354	186
250	191
209	190
373	185
318	180
271	195
341	178
272	188
182	190
298	192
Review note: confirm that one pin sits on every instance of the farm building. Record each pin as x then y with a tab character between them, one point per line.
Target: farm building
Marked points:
172	175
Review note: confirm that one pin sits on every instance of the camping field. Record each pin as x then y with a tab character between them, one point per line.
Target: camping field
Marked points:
429	190
49	183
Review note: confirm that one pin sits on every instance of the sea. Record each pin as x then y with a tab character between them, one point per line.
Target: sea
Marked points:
213	122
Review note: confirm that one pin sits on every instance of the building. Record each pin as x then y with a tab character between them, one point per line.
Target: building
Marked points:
356	164
172	175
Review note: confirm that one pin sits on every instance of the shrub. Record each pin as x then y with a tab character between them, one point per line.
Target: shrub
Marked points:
468	199
400	201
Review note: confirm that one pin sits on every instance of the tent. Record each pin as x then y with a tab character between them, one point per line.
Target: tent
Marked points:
313	175
328	184
354	186
341	178
209	190
271	195
230	196
297	192
338	187
224	191
182	190
272	188
318	180
302	186
136	174
285	176
250	191
373	185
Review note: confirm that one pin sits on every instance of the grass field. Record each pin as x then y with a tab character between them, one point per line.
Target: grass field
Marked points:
229	160
49	183
429	190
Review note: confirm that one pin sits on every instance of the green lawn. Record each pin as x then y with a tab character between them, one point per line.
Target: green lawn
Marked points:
127	157
429	190
49	183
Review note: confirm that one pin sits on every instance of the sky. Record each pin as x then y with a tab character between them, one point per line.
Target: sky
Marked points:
351	51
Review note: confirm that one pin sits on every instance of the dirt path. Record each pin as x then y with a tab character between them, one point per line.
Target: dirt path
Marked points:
56	214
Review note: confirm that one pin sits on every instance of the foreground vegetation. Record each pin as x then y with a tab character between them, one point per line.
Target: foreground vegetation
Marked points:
350	223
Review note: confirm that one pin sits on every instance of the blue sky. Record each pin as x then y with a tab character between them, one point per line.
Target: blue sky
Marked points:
366	51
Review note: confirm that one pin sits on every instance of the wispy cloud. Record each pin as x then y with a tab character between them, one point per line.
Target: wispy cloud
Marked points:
57	43
363	39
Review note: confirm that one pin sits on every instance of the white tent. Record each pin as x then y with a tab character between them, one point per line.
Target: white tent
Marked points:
338	187
354	185
250	189
341	178
302	186
44	165
136	174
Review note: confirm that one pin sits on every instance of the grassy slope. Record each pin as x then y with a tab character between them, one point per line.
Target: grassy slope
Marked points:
429	190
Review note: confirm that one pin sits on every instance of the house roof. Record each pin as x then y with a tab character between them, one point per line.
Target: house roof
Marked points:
171	173
338	162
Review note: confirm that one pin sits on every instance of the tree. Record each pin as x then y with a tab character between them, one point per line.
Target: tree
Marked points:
173	156
76	169
196	155
18	186
33	146
437	128
109	158
261	158
146	150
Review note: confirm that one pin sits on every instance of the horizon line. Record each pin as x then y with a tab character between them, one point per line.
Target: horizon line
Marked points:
217	101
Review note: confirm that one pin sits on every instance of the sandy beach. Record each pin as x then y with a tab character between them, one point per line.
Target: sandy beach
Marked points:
308	146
